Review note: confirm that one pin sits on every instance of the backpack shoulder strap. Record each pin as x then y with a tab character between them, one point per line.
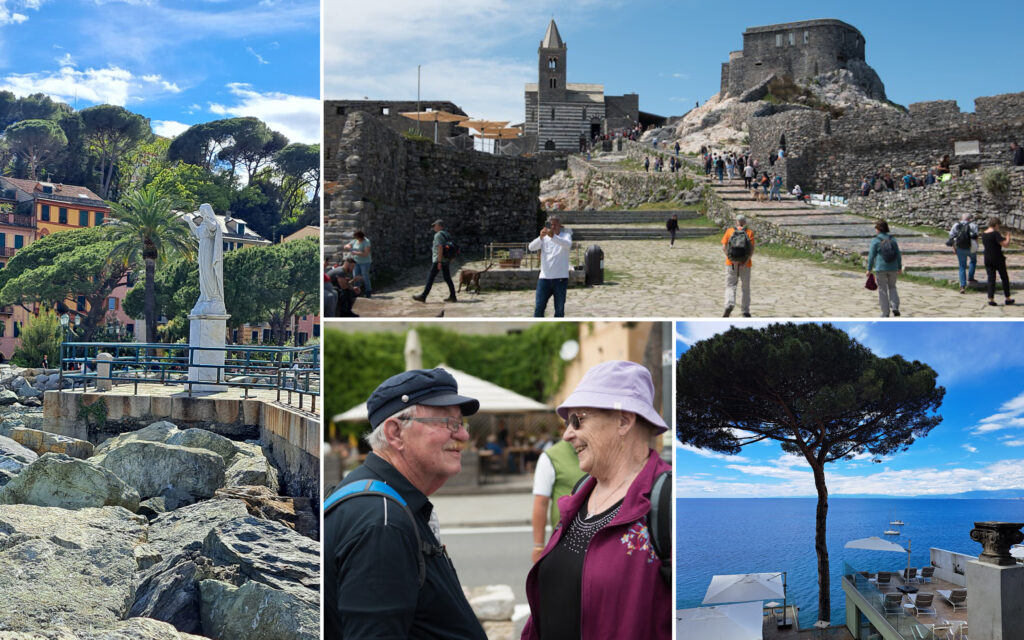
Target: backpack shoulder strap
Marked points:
579	483
660	522
379	488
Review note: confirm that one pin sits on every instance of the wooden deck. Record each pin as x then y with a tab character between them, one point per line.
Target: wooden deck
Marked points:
944	614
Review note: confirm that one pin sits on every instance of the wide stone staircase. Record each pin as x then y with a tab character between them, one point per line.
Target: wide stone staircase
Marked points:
588	226
923	254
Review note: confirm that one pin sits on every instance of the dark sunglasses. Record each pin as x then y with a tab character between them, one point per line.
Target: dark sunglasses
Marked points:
574	420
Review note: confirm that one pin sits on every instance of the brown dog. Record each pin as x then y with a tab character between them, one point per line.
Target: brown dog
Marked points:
757	194
471	278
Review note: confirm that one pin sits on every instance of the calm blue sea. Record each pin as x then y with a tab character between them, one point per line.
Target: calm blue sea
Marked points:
726	536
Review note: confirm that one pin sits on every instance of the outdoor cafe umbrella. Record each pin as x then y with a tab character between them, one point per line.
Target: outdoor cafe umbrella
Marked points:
745	587
874	543
435	117
741	621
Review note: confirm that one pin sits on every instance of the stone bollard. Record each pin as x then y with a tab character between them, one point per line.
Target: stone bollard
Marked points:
103	382
494	606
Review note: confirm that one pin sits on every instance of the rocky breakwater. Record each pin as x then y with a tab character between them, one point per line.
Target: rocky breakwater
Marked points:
161	533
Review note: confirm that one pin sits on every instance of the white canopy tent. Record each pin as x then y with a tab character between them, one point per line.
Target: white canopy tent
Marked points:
741	621
493	399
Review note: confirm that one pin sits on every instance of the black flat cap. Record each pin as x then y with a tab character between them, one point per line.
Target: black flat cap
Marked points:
431	387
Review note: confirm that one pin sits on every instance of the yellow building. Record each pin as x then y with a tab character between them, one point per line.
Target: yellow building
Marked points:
57	207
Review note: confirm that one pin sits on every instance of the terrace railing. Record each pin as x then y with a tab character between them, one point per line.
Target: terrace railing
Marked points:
294	372
905	626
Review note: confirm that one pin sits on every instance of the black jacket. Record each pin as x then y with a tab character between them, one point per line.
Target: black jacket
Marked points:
371	568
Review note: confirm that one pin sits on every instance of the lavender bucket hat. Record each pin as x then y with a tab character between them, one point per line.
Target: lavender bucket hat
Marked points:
616	384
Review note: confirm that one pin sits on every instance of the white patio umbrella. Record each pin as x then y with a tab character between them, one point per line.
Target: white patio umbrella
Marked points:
741	621
745	587
874	543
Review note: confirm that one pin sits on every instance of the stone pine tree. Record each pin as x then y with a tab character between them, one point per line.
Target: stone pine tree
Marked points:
35	141
812	388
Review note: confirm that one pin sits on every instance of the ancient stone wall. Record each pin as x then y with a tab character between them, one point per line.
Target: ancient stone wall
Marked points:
884	139
394	188
386	111
941	205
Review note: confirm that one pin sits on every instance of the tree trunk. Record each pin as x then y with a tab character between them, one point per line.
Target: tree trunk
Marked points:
150	300
820	546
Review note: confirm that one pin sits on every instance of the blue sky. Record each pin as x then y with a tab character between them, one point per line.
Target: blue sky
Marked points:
479	53
978	446
177	62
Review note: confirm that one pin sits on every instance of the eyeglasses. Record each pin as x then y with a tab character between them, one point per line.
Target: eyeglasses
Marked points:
452	424
574	420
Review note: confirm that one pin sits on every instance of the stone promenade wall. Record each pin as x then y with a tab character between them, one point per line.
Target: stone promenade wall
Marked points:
291	437
941	204
394	188
834	154
629	189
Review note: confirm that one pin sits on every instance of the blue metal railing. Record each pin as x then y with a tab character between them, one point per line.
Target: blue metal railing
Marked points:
288	370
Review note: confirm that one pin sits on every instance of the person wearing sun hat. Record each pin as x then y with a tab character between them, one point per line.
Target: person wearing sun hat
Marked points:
386	573
610	422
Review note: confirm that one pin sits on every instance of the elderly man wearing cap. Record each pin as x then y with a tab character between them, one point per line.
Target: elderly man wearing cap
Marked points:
738	245
439	263
386	573
605	524
554	243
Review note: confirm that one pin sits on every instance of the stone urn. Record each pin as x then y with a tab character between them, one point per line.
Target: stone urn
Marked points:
996	538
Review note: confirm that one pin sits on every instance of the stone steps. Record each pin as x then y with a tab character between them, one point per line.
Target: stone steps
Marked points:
571	218
587	234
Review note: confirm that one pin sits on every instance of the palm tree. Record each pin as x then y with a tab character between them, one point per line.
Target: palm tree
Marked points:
144	225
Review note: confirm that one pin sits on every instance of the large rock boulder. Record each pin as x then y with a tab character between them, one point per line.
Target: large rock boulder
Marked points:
57	480
8	397
154	467
189	526
169	591
250	467
256	612
60	567
13	456
131	629
267	552
45	442
156	432
203	439
294	513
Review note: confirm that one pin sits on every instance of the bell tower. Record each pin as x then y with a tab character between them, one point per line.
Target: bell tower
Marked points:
551	57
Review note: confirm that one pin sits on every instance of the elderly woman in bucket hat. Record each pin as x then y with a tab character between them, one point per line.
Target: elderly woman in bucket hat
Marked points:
599	577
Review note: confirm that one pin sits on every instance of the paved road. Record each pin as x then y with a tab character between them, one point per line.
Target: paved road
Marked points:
650	279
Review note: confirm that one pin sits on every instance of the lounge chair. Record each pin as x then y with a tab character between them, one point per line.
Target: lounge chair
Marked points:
960	633
955	597
926	574
909	575
893	603
943	630
923	603
883	580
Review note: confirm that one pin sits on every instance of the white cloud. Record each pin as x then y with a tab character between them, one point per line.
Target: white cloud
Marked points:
969	448
784	481
258	57
66	60
297	117
1009	416
111	85
168	128
714	455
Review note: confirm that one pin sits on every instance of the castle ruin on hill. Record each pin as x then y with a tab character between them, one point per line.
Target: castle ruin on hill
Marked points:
830	144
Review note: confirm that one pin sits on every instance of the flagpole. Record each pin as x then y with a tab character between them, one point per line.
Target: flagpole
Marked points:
418	99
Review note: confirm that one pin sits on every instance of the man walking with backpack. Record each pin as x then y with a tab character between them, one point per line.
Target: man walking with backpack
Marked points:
441	254
738	245
964	239
386	572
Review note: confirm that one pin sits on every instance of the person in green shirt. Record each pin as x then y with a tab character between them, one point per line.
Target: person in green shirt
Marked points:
439	264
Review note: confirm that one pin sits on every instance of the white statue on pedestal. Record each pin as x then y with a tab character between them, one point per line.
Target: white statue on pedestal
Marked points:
211	261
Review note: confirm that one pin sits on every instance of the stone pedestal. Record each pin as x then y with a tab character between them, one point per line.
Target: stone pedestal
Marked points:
103	382
995	600
207	330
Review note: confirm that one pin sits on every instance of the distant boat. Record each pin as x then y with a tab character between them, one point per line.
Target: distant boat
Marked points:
896	522
892	532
